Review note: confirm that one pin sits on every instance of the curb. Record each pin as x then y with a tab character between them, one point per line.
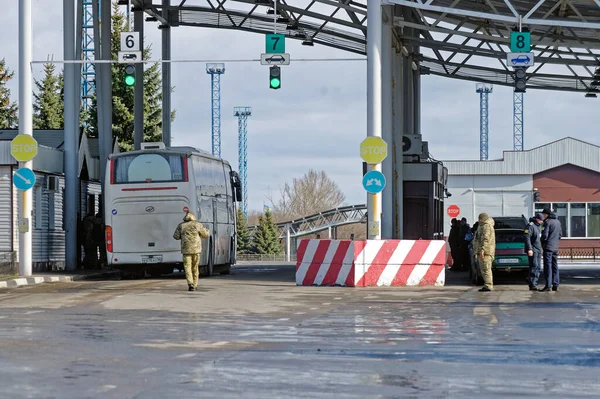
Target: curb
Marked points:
22	281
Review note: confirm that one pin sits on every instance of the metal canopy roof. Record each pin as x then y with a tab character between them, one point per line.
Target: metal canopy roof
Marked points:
461	39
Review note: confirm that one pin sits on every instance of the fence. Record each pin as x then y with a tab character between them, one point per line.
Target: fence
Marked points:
583	253
8	263
263	258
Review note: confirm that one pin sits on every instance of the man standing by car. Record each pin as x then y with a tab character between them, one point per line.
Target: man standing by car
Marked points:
551	233
484	246
533	246
190	232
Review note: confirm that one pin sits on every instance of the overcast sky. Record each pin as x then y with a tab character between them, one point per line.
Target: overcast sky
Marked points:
318	117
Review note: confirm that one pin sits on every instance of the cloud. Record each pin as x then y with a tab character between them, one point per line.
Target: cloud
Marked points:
318	118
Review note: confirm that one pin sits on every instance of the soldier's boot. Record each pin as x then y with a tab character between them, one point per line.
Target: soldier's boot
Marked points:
190	287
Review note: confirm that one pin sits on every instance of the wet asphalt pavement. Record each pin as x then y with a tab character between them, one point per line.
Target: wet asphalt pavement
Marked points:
254	334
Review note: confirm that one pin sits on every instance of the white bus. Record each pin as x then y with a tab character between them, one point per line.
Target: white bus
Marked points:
146	196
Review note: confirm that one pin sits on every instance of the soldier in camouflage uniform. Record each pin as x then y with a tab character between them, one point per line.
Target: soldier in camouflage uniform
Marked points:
484	246
190	232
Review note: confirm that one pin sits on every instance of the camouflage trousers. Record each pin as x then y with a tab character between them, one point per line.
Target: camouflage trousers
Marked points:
190	263
485	265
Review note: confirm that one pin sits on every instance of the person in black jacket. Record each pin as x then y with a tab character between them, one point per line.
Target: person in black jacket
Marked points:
551	233
465	238
454	244
533	246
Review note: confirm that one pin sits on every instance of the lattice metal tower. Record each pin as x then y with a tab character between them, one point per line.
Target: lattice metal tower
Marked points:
484	90
242	114
215	71
88	72
518	126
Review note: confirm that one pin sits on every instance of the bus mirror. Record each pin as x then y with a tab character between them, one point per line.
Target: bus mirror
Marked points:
238	194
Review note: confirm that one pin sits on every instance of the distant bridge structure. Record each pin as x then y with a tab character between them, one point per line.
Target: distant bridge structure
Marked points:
312	224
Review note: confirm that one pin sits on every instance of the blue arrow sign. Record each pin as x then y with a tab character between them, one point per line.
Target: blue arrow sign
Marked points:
374	182
24	179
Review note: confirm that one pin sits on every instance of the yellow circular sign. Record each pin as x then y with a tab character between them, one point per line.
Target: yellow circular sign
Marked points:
23	148
373	150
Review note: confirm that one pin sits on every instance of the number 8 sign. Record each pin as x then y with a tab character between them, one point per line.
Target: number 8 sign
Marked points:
130	41
520	42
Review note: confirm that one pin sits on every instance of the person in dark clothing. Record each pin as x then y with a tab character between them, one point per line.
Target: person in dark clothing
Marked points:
453	240
533	246
551	234
466	236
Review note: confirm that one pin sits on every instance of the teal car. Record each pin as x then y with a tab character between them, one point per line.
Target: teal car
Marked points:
510	247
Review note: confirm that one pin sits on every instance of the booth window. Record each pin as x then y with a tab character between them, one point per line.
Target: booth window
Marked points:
577	219
593	214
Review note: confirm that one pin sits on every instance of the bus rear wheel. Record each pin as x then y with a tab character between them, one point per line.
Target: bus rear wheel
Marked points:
207	271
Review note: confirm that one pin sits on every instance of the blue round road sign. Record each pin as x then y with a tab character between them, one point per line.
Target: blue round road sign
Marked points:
24	179
374	181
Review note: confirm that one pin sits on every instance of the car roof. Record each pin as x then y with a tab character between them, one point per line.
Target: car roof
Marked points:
509	222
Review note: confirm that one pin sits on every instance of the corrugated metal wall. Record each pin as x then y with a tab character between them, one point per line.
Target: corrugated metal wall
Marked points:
5	203
48	244
533	161
57	236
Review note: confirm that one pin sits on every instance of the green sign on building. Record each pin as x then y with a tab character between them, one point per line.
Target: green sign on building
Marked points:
275	43
520	42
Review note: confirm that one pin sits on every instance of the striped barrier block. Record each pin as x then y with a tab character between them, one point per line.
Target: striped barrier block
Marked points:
365	263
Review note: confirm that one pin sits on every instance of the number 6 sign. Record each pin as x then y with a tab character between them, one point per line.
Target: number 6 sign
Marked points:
130	41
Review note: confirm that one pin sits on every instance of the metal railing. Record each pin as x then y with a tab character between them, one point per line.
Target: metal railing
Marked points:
264	258
8	263
582	253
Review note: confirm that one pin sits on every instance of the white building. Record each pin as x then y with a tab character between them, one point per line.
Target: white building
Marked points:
564	173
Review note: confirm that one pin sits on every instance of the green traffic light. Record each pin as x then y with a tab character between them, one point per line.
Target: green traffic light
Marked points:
129	80
275	83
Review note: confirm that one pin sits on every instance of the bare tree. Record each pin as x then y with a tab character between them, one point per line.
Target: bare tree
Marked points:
314	192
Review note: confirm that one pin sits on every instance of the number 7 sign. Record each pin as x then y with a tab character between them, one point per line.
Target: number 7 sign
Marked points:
274	43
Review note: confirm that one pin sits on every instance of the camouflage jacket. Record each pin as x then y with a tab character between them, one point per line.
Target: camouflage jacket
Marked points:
190	232
485	238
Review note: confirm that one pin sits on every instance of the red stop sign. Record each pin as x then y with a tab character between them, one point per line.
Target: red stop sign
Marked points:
453	211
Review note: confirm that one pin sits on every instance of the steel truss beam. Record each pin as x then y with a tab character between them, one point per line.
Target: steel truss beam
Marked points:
518	122
322	221
242	113
466	39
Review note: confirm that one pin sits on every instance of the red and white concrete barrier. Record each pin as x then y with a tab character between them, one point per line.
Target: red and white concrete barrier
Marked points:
365	263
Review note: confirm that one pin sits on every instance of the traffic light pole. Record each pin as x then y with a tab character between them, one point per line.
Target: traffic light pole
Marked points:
25	127
374	105
138	101
71	95
387	166
166	78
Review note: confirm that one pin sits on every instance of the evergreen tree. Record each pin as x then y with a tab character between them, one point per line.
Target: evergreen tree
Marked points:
243	236
48	105
9	117
267	237
123	96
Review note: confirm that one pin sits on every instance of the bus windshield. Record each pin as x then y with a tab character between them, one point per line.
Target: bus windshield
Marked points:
148	168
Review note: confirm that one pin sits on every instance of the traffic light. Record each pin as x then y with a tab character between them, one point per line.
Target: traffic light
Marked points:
520	81
274	77
130	74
